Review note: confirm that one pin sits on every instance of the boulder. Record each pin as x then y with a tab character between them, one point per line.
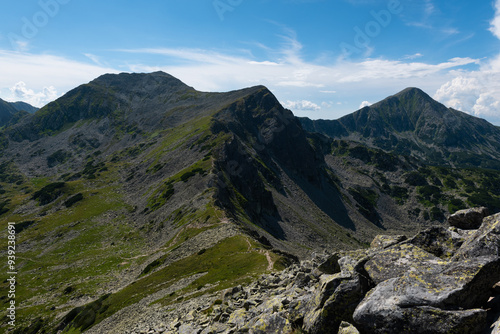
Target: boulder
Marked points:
468	219
384	241
420	319
347	328
439	241
484	241
448	292
331	265
337	297
396	260
275	323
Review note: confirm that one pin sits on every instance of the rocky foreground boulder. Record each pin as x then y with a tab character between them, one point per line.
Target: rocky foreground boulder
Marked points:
443	280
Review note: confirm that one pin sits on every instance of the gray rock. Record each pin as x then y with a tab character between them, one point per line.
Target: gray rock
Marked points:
437	291
331	265
275	323
420	319
337	297
438	241
384	241
484	241
468	219
396	260
347	328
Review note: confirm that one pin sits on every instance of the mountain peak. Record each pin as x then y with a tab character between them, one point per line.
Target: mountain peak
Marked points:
411	91
141	81
412	94
413	123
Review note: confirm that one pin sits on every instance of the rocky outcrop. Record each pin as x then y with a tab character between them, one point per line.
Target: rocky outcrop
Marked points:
468	219
440	281
337	296
432	295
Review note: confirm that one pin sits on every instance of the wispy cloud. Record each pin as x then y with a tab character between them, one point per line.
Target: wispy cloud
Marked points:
306	85
430	18
413	56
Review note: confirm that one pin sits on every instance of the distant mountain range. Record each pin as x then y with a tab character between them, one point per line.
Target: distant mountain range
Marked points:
13	111
412	123
162	183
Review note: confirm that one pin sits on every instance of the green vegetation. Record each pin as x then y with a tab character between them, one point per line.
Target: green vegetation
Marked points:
367	202
166	190
400	194
73	199
49	193
161	196
415	179
10	174
58	157
378	158
226	264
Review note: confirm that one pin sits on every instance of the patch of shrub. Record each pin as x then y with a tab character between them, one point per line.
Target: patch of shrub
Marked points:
19	227
81	318
400	194
456	204
415	179
187	175
151	266
57	158
49	193
437	214
430	193
73	199
3	207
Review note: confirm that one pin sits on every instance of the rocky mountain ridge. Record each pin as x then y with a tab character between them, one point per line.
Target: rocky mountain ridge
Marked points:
182	194
411	123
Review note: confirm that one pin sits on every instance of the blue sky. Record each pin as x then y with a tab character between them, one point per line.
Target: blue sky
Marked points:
322	59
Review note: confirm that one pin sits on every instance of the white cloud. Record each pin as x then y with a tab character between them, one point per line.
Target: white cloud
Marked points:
495	23
36	78
268	63
476	92
301	105
414	56
365	104
305	85
38	99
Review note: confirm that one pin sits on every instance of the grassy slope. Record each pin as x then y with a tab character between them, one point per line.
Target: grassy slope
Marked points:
70	256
